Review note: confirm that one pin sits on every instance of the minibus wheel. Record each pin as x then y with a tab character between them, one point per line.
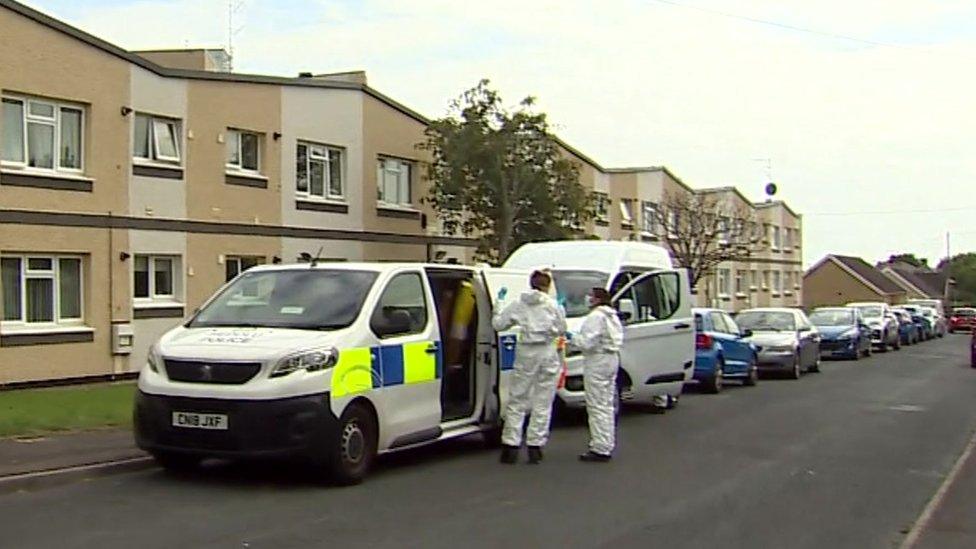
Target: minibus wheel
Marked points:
354	449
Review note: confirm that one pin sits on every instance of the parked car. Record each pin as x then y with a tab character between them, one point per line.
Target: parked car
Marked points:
722	351
963	319
933	303
884	326
972	350
939	328
926	327
843	332
907	329
784	338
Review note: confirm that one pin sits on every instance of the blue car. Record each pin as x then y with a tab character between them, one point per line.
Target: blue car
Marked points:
907	328
722	351
843	332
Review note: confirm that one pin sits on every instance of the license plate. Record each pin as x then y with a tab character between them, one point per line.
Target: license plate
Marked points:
192	420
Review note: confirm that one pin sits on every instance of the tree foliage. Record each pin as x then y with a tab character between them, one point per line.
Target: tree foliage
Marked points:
963	271
909	259
500	176
703	231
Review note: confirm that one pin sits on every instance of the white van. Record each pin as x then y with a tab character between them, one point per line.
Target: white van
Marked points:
654	298
333	362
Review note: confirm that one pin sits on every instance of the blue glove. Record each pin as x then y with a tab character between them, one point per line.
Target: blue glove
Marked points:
502	293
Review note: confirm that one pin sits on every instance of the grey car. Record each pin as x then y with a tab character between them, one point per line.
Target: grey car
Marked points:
786	341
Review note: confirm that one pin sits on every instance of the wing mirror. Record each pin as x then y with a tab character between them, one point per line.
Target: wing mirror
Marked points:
393	322
746	333
626	309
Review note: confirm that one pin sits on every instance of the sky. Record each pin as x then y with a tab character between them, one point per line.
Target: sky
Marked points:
864	108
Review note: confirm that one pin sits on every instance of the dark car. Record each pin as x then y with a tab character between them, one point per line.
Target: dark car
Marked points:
843	332
972	350
907	329
963	319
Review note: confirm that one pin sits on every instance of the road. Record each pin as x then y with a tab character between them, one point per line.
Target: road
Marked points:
845	458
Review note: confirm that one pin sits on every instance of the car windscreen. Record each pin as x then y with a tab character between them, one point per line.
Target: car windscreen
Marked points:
964	312
835	317
871	311
312	299
766	321
573	286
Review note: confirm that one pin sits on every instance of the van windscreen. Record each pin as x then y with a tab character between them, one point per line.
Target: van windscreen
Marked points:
572	288
312	299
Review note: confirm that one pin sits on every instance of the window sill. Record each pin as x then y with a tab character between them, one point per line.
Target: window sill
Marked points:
740	295
753	289
384	209
159	170
725	297
320	205
775	294
625	225
48	335
602	222
787	293
245	179
57	181
160	309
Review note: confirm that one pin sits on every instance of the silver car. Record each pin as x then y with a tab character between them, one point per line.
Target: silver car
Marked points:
883	324
786	341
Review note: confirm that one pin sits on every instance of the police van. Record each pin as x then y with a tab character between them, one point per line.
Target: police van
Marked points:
333	362
653	298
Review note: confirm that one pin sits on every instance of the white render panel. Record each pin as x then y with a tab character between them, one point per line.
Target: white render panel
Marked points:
327	117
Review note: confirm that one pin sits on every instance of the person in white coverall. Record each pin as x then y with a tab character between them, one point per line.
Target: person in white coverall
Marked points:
537	367
600	338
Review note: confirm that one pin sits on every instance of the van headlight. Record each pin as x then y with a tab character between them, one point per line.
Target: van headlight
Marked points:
312	361
152	359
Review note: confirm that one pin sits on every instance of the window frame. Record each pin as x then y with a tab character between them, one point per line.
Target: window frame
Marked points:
424	291
155	298
327	194
648	222
381	168
55	121
601	206
239	166
239	259
25	273
153	142
720	279
627	212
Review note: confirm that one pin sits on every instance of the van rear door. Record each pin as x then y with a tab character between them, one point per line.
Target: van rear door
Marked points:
659	344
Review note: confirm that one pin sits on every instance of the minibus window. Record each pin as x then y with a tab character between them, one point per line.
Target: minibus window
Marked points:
313	299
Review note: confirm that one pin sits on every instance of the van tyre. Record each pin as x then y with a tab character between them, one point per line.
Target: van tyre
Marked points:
354	450
176	462
752	376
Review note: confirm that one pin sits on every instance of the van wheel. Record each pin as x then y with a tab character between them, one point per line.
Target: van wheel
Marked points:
354	449
176	462
752	376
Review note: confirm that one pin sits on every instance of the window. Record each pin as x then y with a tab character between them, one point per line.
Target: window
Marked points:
42	134
787	238
627	212
319	172
740	282
234	266
754	280
648	217
656	297
155	278
41	289
674	219
402	309
723	230
787	281
723	282
156	139
602	203
776	242
393	177
243	151
765	280
777	282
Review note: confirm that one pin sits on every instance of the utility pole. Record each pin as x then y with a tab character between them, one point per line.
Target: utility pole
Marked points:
948	272
233	6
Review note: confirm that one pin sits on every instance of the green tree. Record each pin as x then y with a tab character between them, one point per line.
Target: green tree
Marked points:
500	176
910	259
962	270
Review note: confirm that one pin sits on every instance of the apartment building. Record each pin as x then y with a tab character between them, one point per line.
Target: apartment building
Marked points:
134	184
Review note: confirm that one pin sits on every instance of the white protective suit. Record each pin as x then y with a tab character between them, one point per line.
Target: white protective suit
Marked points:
537	365
600	338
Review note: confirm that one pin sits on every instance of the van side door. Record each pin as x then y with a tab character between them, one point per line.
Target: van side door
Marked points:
407	359
659	346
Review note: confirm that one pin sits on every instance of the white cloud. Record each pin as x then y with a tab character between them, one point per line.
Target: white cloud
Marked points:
849	126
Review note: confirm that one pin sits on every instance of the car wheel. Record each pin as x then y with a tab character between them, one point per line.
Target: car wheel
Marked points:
815	368
354	449
796	371
752	376
713	385
897	345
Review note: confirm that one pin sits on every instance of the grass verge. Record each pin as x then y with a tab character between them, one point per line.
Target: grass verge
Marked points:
32	412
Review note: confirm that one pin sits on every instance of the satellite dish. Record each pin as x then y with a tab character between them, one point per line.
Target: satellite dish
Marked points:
770	189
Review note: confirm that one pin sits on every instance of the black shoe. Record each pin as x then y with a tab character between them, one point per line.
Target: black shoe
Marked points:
594	457
535	455
509	454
